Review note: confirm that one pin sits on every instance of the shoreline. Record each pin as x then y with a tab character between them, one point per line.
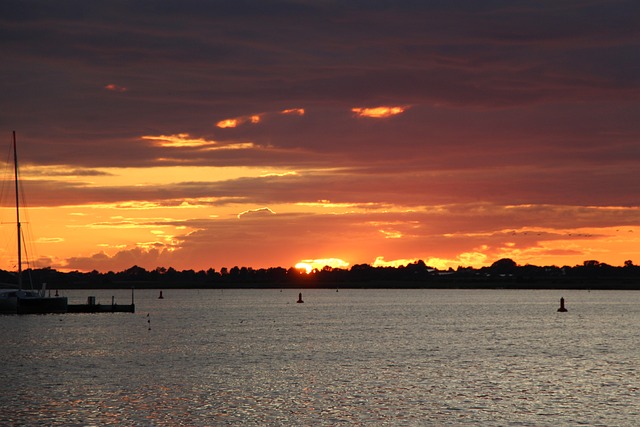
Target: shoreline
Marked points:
582	285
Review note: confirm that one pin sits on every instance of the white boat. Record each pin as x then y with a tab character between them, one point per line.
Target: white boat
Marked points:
18	300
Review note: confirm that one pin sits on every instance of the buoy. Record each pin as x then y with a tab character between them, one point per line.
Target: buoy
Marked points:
562	309
299	298
160	297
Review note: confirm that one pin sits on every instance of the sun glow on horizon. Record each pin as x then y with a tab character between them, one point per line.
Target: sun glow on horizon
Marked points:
318	264
380	262
137	213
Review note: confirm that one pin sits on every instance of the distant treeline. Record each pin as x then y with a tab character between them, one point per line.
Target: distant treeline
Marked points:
504	273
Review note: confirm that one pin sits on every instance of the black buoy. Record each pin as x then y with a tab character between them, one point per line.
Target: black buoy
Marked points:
160	297
562	309
300	298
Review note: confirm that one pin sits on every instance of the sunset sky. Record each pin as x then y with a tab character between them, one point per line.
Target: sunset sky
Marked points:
209	134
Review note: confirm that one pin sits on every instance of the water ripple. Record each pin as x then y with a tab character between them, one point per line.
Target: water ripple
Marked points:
368	358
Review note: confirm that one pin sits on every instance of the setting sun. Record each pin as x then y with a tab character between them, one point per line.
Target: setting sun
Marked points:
306	267
318	264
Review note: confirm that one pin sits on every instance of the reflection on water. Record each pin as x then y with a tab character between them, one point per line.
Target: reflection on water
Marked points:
357	357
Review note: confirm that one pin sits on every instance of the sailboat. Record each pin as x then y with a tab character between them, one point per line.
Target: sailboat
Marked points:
19	300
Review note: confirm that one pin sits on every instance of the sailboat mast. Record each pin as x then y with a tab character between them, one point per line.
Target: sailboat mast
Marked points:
15	168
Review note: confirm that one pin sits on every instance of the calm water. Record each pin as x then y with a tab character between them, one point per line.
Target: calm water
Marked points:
354	357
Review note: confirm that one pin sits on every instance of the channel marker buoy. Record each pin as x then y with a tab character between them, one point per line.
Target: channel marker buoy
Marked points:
562	309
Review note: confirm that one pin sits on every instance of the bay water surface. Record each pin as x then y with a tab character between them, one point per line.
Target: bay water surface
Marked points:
353	357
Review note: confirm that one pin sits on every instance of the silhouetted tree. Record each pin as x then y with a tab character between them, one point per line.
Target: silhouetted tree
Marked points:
504	266
502	273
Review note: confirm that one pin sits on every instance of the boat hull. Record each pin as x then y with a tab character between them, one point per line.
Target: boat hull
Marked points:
8	305
41	305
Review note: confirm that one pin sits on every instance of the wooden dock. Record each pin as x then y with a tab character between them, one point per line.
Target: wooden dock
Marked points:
101	308
92	307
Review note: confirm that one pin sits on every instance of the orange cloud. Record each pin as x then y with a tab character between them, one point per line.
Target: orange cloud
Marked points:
473	259
50	240
228	123
234	146
391	234
296	111
378	112
256	212
278	174
237	121
255	118
178	140
182	140
115	88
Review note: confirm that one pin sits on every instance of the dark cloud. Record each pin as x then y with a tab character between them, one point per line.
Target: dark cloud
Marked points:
403	181
523	103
